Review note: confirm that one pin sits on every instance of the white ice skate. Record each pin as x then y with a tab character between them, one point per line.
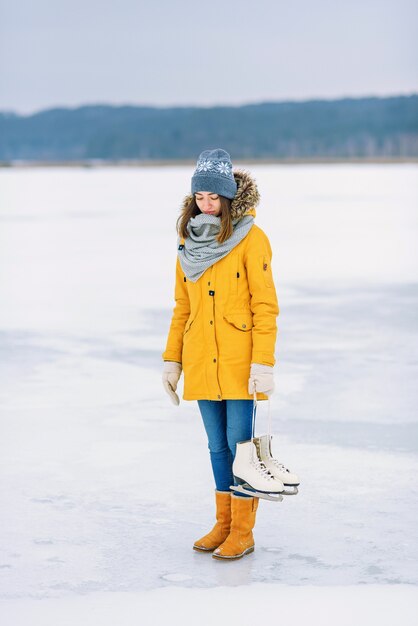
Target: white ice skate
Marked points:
255	470
252	476
277	469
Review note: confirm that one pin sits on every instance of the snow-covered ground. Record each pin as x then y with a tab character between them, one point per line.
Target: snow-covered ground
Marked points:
105	484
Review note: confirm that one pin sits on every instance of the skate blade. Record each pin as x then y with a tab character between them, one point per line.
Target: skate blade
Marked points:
272	497
290	492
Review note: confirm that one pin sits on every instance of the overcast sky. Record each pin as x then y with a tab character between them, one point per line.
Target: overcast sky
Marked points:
178	52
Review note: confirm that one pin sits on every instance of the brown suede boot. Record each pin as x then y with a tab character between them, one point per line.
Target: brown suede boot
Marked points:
220	531
240	540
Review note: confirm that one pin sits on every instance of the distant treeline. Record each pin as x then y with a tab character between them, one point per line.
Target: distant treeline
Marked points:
345	128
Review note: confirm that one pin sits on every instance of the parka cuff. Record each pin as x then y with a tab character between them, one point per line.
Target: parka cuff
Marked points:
171	355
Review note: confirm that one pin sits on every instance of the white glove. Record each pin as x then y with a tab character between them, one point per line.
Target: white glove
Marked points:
171	375
261	379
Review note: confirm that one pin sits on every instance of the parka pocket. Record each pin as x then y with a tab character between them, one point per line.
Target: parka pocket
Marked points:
188	325
242	320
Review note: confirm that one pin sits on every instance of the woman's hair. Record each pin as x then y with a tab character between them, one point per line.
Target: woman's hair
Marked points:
191	210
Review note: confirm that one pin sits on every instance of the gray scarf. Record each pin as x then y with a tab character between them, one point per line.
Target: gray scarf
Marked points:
201	249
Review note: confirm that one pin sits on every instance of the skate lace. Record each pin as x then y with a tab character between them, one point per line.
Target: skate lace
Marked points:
262	469
281	467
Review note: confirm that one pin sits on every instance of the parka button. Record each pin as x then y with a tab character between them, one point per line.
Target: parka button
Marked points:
219	395
214	360
244	325
211	322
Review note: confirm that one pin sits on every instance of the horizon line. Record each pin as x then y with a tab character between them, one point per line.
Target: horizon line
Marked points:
201	106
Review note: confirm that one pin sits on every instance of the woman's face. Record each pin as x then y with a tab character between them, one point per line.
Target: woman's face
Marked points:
208	202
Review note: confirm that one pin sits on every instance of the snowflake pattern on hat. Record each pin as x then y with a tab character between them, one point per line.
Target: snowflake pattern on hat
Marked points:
222	167
204	166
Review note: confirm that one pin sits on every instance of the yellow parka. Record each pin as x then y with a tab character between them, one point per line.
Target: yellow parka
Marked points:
226	320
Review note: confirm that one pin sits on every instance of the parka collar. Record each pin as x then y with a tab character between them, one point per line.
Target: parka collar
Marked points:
245	200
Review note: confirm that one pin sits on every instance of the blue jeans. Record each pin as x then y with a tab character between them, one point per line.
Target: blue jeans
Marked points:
226	422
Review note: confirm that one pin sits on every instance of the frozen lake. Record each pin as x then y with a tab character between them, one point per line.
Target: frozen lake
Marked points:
105	483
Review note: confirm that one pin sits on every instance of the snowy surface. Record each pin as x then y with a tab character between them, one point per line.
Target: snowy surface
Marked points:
105	484
232	605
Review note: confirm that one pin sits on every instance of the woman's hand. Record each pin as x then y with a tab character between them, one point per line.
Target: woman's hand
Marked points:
261	379
171	375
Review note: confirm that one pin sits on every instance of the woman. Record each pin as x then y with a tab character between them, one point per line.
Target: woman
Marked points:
223	330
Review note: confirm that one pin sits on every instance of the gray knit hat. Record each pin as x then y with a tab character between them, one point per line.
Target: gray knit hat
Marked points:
214	173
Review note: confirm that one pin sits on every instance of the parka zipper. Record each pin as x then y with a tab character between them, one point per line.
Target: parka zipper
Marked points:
212	294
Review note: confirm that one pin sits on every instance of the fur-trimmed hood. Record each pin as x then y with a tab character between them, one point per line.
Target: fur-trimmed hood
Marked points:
245	200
